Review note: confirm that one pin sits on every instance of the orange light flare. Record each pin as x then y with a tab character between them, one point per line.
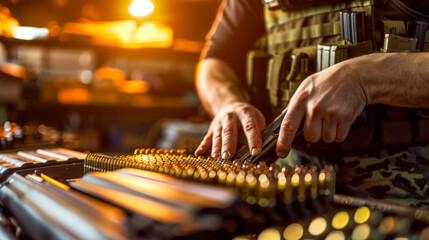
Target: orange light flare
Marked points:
115	75
78	96
135	87
141	8
13	69
7	22
123	33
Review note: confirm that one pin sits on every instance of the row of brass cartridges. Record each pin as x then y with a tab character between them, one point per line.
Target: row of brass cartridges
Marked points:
159	151
180	157
190	161
257	184
165	163
287	186
362	223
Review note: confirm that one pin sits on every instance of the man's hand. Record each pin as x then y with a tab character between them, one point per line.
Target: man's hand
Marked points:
328	102
223	132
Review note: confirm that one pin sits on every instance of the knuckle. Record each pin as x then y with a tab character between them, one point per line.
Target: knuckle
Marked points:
344	117
313	108
239	108
245	110
312	138
249	126
301	96
289	127
228	131
216	136
216	148
226	145
332	114
229	116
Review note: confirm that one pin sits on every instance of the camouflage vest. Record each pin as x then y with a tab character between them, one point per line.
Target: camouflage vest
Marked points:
290	55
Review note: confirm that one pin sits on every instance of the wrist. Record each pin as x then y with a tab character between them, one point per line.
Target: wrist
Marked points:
228	104
360	70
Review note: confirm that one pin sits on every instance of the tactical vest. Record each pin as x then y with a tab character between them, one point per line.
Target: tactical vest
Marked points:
288	54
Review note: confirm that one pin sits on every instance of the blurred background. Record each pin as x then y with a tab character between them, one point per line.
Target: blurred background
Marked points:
101	75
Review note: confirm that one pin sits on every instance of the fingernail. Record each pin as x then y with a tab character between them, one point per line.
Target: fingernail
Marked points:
281	154
226	155
255	151
215	155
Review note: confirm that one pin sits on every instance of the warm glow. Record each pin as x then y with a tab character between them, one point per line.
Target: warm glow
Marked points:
387	225
340	220
335	235
317	226
135	86
361	232
74	96
140	8
293	232
7	22
153	34
188	45
13	69
295	180
30	33
116	75
269	234
362	215
123	33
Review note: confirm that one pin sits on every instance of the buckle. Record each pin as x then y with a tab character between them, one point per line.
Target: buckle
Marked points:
272	4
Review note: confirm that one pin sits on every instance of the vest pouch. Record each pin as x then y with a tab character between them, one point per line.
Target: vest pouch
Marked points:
256	75
279	67
362	137
302	66
396	127
329	54
422	126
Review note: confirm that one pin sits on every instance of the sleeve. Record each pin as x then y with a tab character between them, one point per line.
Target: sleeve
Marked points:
238	25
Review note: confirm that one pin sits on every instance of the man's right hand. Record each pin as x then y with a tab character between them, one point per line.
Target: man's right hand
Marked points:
222	135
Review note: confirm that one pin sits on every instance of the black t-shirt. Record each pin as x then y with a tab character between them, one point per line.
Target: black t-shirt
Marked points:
241	22
238	25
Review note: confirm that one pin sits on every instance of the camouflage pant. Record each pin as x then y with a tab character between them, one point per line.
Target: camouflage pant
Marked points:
397	177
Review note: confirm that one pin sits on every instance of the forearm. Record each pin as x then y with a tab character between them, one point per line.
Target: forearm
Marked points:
217	85
399	79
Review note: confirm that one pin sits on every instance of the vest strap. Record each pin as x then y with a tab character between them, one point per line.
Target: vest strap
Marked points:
302	33
273	77
279	17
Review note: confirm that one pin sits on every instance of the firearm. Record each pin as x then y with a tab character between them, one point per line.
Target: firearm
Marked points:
269	139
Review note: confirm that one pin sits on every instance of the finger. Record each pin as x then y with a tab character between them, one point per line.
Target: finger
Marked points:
312	128
288	129
329	131
342	132
252	131
205	144
217	143
229	136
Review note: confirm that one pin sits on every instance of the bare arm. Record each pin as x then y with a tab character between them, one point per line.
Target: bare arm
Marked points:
220	92
217	85
329	101
402	79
